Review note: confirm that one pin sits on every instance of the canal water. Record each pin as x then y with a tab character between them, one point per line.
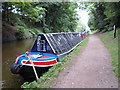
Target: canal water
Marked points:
9	53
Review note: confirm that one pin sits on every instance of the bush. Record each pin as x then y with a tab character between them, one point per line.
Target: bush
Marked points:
18	21
110	28
20	32
35	31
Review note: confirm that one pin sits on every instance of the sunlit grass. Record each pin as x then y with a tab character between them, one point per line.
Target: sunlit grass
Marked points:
112	45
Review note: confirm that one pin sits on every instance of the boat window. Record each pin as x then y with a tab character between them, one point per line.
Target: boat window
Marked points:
41	45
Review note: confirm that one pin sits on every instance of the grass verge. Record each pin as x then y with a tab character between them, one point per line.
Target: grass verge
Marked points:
46	80
112	45
95	31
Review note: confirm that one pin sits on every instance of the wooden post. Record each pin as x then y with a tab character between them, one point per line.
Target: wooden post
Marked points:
30	59
114	31
34	68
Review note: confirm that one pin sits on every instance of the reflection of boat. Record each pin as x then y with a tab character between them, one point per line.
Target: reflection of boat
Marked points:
45	53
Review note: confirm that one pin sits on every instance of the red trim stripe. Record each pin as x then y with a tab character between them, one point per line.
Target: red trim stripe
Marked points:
44	57
41	63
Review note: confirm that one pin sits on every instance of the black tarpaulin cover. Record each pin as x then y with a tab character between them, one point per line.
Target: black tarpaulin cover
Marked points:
56	43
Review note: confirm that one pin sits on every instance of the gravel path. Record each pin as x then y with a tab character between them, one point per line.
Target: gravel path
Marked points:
91	69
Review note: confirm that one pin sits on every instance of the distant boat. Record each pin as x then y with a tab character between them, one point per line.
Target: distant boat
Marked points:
46	51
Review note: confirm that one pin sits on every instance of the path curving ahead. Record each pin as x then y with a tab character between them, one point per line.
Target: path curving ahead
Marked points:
91	69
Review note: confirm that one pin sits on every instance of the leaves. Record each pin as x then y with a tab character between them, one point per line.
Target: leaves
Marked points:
53	16
60	16
104	15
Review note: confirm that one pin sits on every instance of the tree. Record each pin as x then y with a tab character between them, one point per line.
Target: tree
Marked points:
113	13
53	16
104	15
98	16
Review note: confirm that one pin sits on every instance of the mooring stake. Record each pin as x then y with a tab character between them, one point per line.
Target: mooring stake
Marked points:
30	59
114	31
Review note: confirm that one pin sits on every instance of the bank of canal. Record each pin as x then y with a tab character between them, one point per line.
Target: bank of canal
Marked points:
9	53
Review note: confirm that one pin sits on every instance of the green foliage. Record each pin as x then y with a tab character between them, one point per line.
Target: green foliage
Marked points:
20	32
51	16
48	78
104	15
97	16
118	32
23	31
112	13
21	28
19	22
61	16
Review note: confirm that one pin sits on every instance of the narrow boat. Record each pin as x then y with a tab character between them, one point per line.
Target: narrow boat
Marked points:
46	51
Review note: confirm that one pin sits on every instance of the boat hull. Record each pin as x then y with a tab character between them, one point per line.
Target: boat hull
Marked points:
28	74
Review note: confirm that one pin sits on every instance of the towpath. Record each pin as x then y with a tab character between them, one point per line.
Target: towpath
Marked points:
91	69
